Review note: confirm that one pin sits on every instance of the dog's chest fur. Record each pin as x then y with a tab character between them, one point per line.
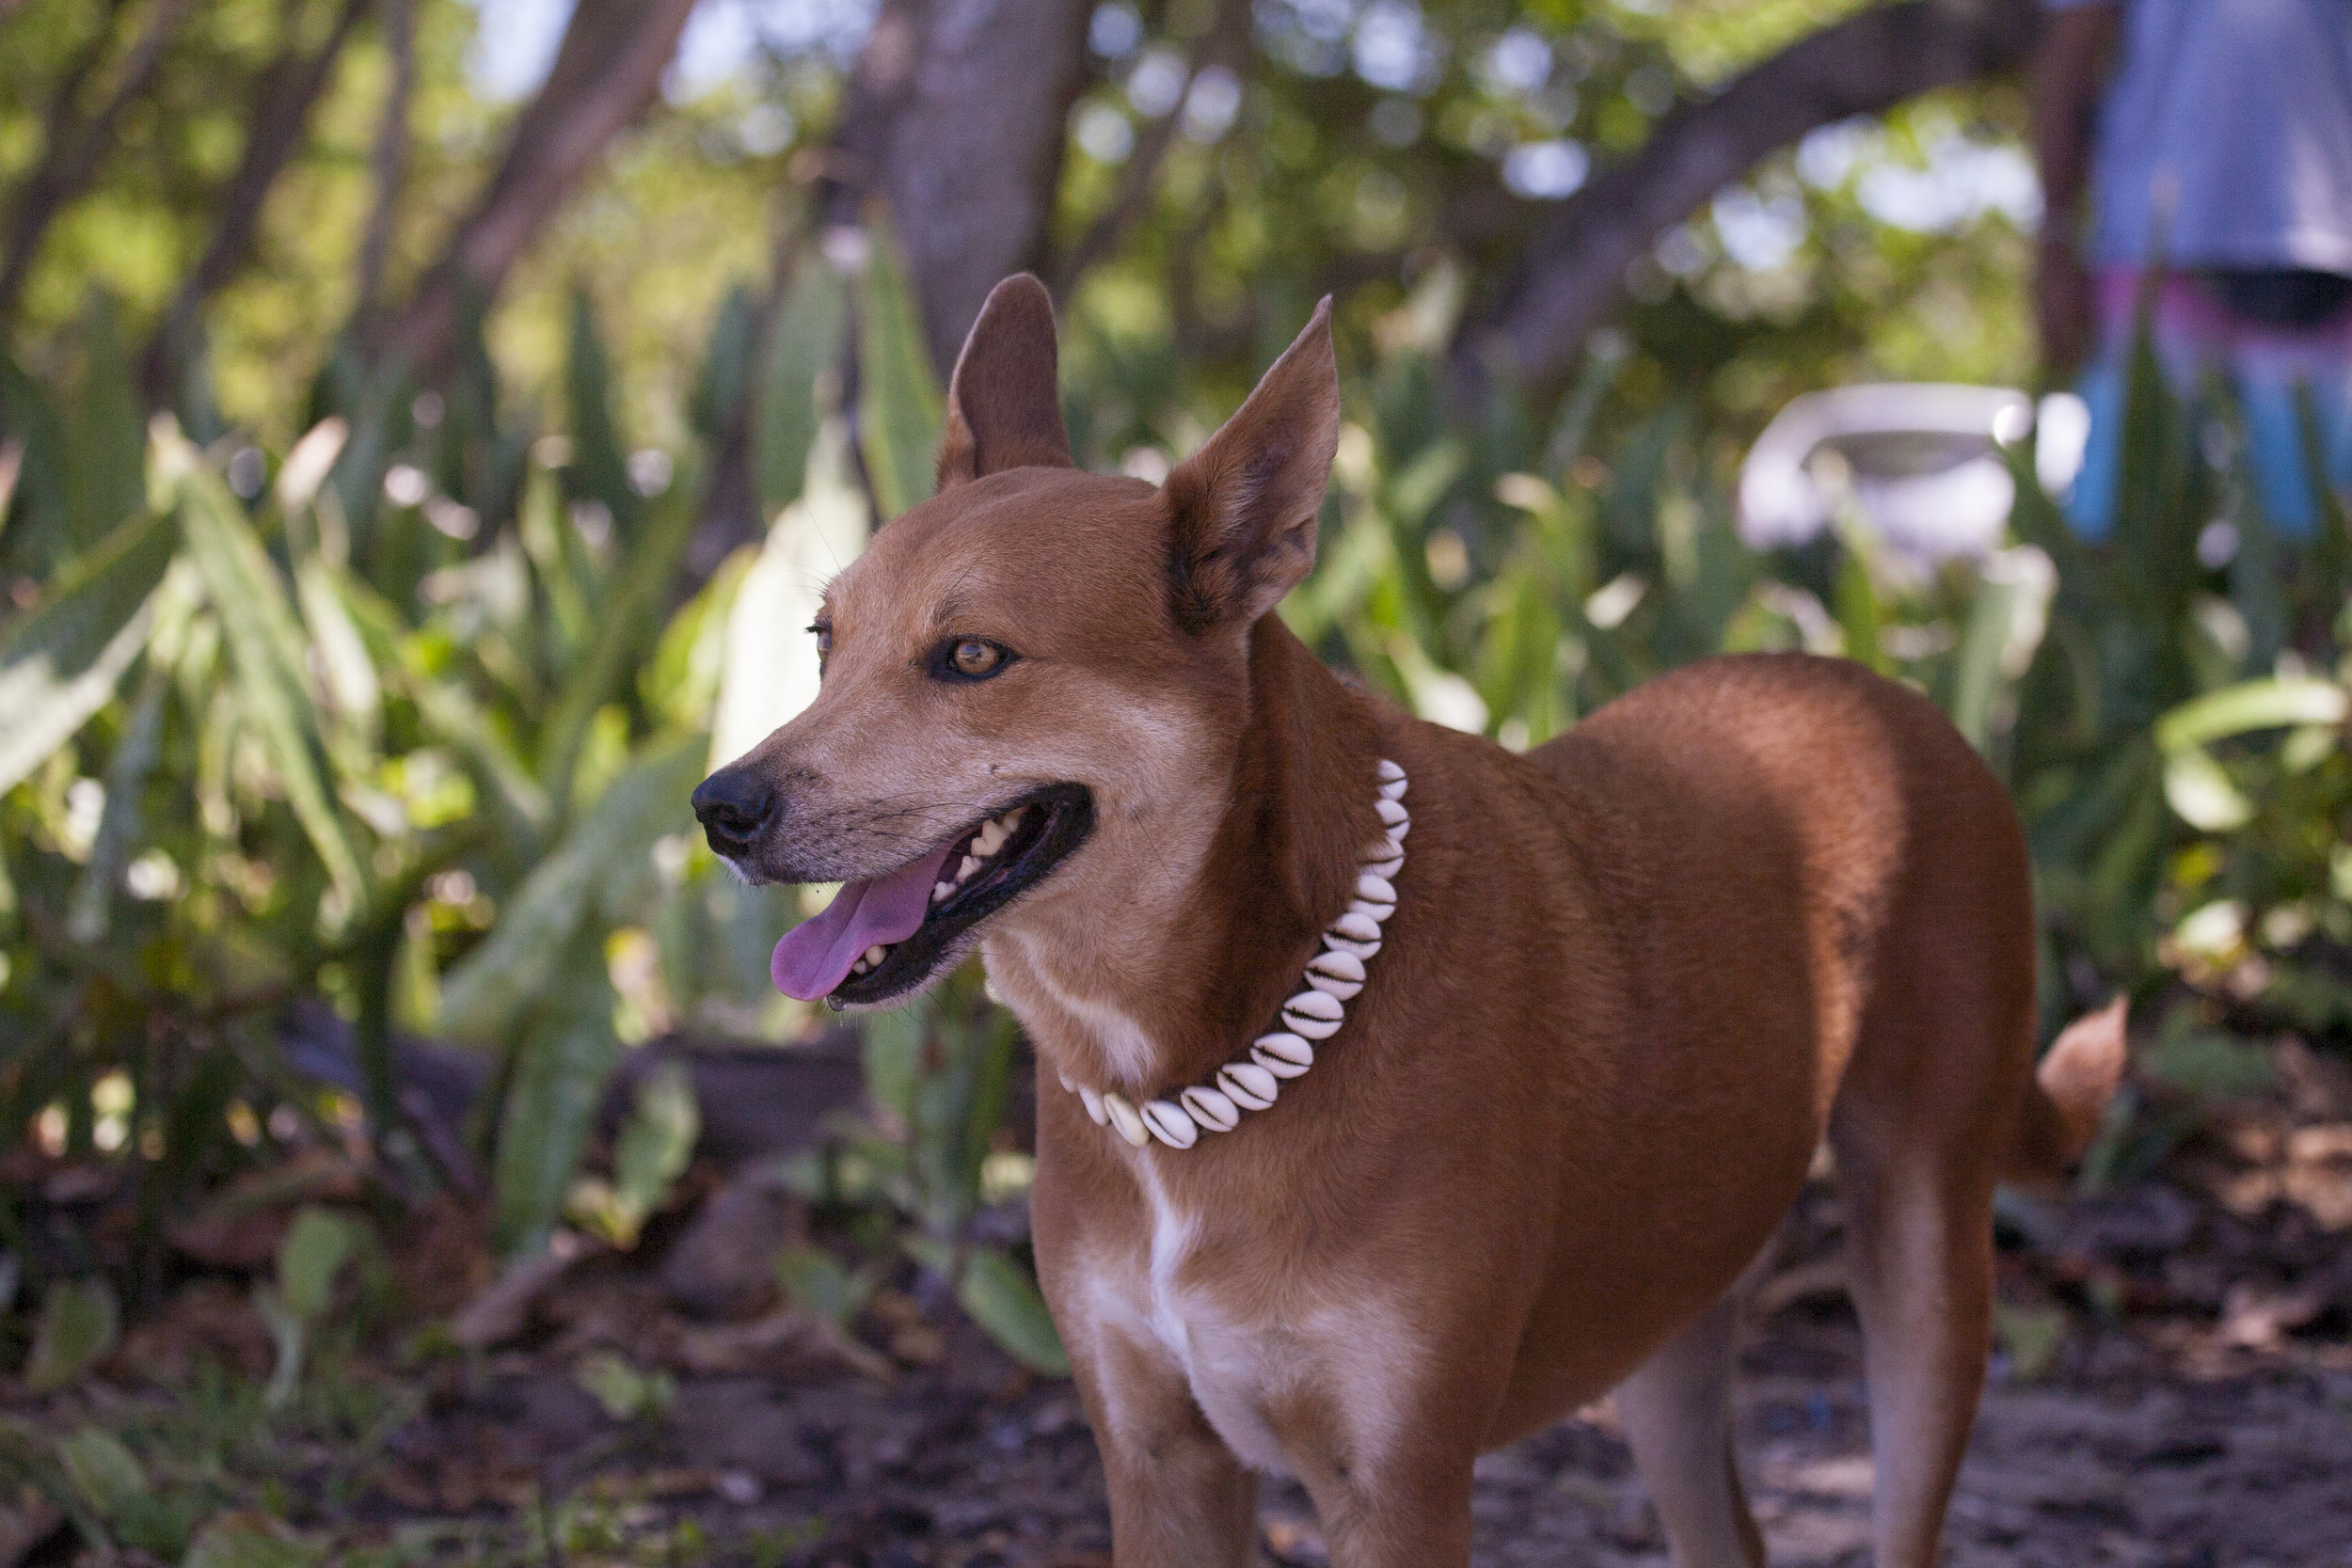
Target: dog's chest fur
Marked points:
1256	1365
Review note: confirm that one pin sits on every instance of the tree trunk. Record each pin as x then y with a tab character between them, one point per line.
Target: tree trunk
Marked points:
606	72
955	119
1570	277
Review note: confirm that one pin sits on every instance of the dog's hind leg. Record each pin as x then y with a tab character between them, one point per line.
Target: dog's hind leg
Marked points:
1919	1247
1676	1413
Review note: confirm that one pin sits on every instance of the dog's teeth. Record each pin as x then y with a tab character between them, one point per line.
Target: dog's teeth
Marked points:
964	873
990	839
941	891
1170	1123
860	967
1011	820
1093	1103
1247	1085
875	954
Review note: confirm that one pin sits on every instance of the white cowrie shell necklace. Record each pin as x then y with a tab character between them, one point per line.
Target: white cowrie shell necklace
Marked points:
1333	976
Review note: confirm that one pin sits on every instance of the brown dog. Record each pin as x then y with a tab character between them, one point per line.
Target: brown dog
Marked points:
1630	981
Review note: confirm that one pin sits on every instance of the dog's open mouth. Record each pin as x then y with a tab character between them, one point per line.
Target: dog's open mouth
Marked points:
890	934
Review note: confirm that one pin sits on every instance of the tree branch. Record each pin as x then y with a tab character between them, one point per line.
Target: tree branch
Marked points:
1570	277
75	147
387	161
283	95
1228	36
607	70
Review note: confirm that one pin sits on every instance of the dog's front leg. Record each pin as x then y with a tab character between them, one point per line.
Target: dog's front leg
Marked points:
1179	1496
1410	1511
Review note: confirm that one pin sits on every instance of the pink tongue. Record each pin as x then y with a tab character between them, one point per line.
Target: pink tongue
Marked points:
816	954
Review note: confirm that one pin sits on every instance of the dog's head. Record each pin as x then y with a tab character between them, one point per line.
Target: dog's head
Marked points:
1033	683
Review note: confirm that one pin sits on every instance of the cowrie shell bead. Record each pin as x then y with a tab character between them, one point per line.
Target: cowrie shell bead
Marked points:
1375	890
1388	866
1355	928
1338	989
1282	1054
1247	1085
1392	790
1336	973
1170	1123
1313	1014
1389	772
1350	945
1093	1103
1127	1120
1337	966
1211	1108
1391	813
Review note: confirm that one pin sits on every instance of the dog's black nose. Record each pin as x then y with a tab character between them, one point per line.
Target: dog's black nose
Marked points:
733	805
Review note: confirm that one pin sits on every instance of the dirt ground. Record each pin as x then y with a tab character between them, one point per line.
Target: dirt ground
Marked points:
2151	1440
2172	1387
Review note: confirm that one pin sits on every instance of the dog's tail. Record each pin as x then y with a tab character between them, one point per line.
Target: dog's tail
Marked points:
2071	1087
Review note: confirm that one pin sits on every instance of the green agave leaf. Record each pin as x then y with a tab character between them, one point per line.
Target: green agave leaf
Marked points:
121	826
269	655
644	576
1001	1297
39	518
567	1052
2202	794
2263	705
59	664
599	467
727	366
107	435
803	350
485	995
899	407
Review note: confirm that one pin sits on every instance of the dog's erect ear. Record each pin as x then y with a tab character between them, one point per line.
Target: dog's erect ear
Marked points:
1242	509
1004	405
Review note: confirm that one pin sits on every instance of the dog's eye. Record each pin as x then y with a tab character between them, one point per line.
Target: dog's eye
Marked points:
971	658
823	630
